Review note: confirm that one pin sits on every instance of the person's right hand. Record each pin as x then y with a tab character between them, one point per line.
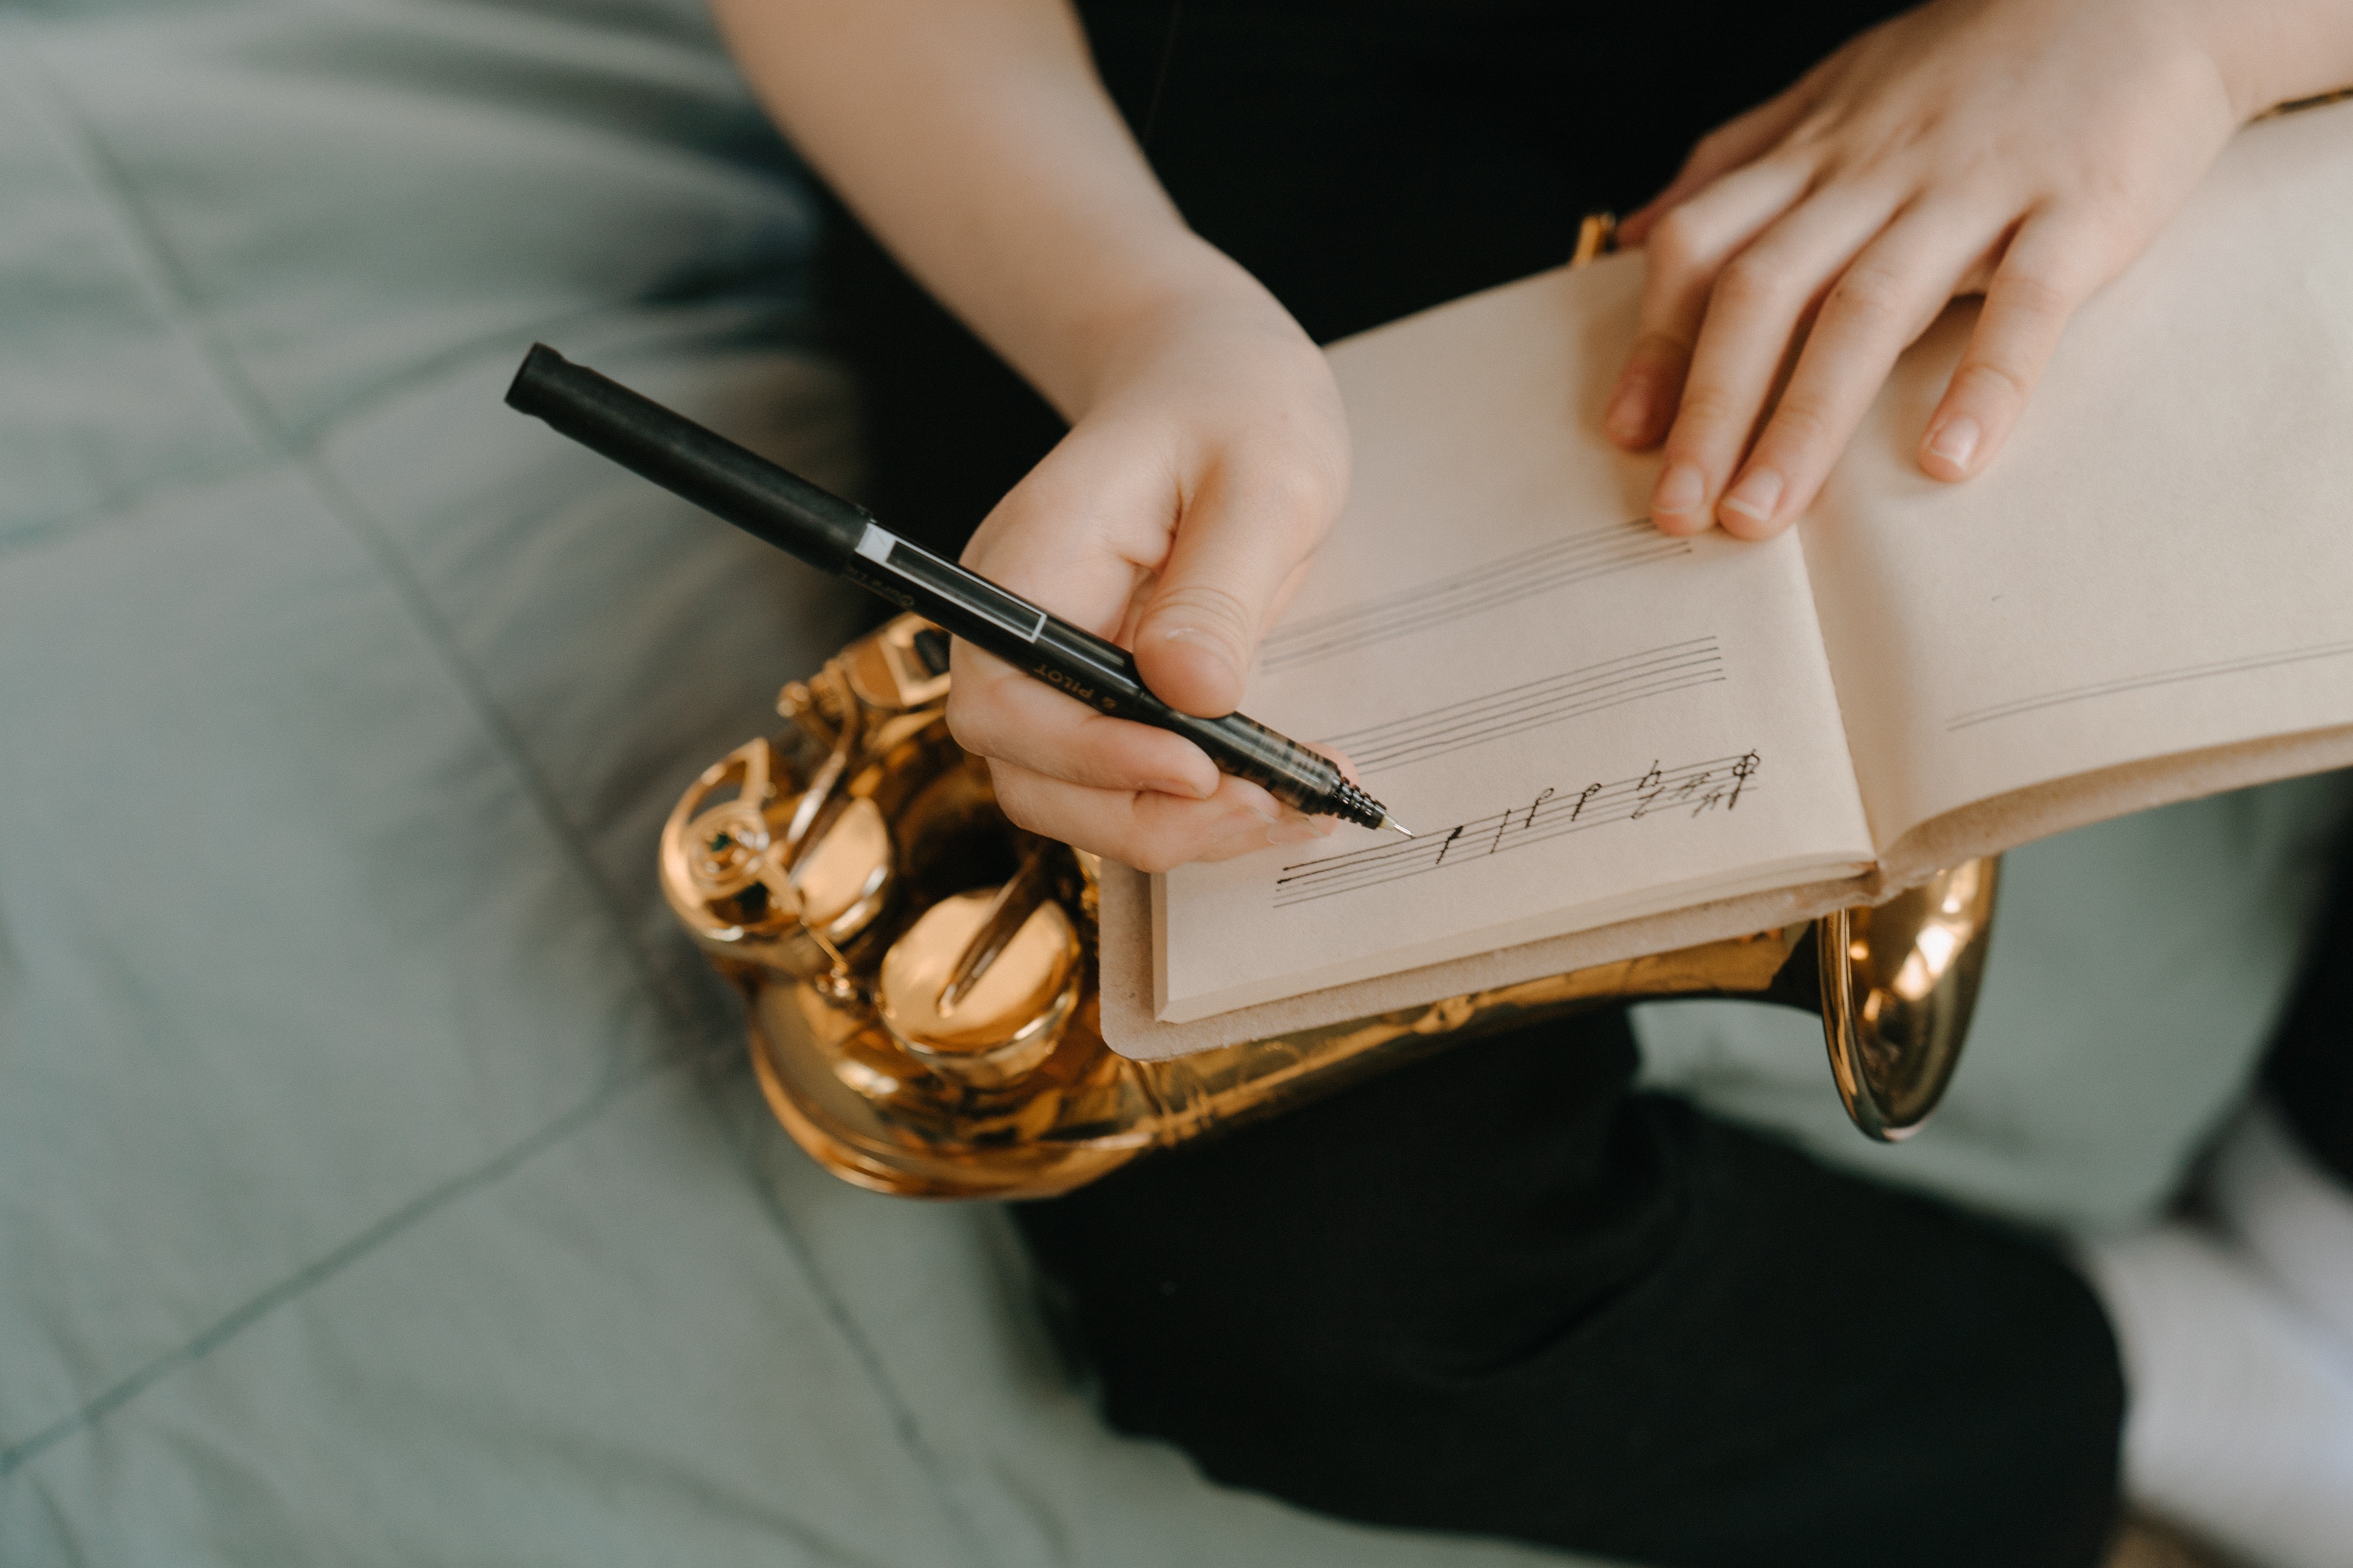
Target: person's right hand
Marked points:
1174	519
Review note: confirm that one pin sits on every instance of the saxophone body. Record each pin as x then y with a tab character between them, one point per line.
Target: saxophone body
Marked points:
920	975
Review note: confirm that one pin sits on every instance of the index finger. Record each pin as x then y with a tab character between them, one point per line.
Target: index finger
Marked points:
997	710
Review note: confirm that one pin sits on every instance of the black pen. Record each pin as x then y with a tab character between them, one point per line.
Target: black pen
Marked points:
778	506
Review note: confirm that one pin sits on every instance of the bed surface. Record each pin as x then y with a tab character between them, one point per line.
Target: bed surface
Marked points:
380	1177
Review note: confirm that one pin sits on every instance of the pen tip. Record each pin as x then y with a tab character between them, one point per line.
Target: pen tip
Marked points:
1401	827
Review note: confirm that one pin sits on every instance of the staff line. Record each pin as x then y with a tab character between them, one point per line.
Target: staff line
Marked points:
1281	658
1453	720
1458	602
1662	802
1567	565
1596	796
1590	539
1311	894
2141	682
1599	702
1588	674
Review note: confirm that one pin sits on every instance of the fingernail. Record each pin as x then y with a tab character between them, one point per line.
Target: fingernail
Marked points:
1628	405
1755	497
1680	490
1183	788
1956	441
1295	830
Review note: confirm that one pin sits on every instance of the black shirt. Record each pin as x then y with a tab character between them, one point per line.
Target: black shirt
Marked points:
1368	157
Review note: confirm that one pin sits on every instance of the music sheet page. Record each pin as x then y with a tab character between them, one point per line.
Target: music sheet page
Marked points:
1583	719
2162	560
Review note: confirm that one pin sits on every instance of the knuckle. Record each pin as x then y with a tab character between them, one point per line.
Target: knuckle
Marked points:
2109	193
1748	283
1149	858
1019	808
1658	350
1987	376
1712	147
1303	495
1675	243
1801	422
1210	610
1872	297
1707	407
2032	295
966	727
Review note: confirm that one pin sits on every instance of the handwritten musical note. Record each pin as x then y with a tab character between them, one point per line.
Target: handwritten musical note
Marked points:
1657	794
1418	737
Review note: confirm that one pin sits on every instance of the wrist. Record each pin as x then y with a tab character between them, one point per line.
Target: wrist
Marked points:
1192	295
2270	52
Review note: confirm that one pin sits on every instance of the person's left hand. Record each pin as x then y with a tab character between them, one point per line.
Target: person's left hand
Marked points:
2026	149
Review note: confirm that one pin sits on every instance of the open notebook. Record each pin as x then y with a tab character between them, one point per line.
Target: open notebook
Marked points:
1611	741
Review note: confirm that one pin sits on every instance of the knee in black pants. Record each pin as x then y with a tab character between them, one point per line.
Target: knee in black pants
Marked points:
1499	1293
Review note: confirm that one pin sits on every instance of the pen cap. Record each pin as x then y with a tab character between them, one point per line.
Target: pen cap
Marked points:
715	473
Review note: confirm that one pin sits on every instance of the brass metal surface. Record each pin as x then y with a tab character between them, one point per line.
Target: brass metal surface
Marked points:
1009	1019
1597	237
1897	982
921	975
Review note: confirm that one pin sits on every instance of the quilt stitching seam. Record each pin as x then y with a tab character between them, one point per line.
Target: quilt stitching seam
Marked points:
903	1418
335	499
333	1262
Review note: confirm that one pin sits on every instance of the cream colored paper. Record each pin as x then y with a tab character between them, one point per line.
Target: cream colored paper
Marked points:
2149	598
1584	721
2162	560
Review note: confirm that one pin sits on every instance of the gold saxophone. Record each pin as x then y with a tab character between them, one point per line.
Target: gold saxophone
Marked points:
921	974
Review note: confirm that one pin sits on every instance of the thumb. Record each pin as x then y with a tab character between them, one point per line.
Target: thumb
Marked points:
1236	549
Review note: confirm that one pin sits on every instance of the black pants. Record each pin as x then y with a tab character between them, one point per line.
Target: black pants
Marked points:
1499	1292
2309	1073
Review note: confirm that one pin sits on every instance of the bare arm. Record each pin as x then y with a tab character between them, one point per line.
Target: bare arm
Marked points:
973	138
1207	455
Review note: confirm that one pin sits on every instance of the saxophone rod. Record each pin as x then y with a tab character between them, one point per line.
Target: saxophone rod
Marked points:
778	506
